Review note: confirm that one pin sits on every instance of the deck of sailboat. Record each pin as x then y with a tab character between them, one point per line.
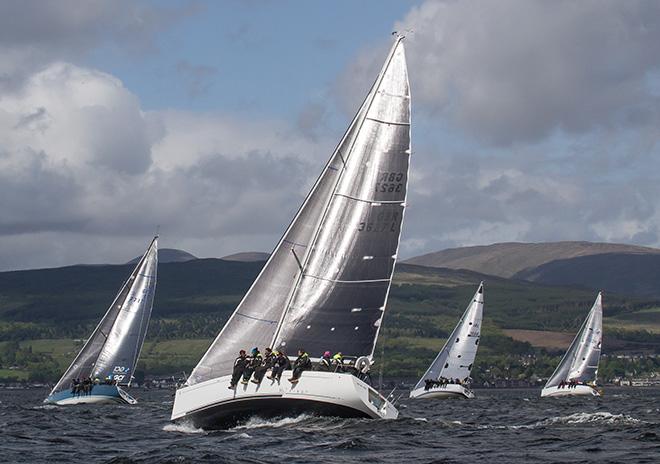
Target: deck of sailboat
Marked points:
577	390
443	391
212	404
98	395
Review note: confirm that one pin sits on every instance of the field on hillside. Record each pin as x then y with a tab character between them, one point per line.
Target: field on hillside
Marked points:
47	310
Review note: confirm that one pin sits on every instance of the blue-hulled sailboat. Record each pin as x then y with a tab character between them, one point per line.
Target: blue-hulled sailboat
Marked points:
107	361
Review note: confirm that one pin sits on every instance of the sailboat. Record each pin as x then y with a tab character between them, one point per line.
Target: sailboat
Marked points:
448	374
107	361
578	369
325	286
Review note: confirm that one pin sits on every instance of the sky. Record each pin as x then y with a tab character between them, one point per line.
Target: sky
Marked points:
209	121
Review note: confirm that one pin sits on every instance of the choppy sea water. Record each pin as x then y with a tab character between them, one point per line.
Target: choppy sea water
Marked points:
500	426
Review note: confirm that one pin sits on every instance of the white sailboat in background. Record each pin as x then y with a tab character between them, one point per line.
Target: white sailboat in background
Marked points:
448	375
111	353
576	373
325	285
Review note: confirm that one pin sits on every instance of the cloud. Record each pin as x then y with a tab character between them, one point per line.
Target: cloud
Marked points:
517	71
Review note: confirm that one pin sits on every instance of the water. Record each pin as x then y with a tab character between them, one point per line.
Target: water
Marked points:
500	426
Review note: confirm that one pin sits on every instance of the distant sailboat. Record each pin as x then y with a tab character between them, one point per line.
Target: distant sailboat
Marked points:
112	351
578	369
455	360
325	285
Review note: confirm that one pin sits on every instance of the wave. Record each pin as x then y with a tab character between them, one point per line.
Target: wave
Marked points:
183	427
260	422
589	418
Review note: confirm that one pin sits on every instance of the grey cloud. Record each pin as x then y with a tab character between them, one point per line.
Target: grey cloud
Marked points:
518	70
198	78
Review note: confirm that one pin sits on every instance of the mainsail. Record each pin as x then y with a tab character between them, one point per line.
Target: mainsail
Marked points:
580	363
114	346
457	356
326	283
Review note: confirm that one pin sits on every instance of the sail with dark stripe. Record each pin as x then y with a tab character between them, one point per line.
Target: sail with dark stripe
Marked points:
114	347
351	222
455	359
580	363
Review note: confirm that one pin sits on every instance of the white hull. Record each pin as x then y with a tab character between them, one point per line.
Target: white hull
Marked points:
443	391
578	390
89	399
211	404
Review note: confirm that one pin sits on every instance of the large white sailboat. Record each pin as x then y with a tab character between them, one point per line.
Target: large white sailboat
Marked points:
448	374
576	373
107	361
325	286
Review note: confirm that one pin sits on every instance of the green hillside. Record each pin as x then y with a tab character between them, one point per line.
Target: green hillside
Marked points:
45	314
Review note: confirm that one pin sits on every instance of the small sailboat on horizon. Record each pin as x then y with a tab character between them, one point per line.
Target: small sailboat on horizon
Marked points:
449	373
107	360
325	286
577	371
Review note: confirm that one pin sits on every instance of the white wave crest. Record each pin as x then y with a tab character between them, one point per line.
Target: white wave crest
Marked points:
589	418
258	422
183	427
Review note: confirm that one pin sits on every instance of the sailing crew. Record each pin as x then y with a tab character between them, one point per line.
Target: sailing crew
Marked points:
75	386
255	361
325	364
338	362
302	363
280	364
266	364
239	367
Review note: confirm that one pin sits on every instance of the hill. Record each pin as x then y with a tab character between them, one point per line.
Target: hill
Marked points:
169	255
617	268
247	256
44	315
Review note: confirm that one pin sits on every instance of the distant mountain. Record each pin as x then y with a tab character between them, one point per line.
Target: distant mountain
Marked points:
169	255
247	256
619	268
509	259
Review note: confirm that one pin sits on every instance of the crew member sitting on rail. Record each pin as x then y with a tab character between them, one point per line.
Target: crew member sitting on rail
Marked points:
280	364
240	364
301	364
325	364
255	361
338	362
266	364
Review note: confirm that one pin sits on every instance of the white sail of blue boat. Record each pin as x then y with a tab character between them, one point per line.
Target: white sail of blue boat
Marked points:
325	285
107	361
449	373
577	372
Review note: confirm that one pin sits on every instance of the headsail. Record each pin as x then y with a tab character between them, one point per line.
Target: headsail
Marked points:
457	356
580	363
114	346
343	204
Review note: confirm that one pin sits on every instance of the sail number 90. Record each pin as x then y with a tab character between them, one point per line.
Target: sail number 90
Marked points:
389	182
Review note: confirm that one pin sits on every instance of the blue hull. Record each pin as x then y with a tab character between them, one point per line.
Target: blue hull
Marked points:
98	394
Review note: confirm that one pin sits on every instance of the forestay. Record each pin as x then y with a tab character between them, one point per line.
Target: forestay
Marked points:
114	346
339	299
363	152
457	356
580	363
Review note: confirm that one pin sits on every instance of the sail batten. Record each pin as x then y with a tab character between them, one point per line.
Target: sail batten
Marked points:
114	346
